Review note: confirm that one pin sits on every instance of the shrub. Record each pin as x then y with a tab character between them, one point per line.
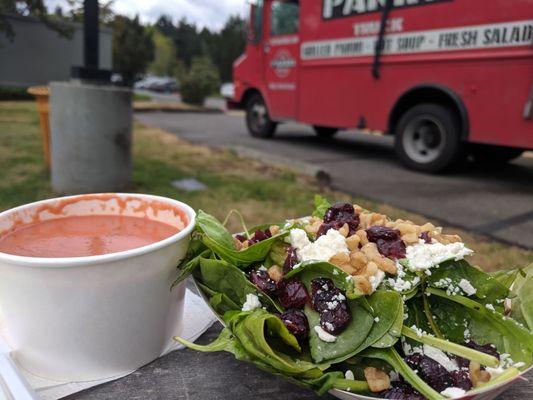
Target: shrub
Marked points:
201	81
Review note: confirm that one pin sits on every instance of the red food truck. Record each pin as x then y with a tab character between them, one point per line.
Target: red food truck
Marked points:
447	78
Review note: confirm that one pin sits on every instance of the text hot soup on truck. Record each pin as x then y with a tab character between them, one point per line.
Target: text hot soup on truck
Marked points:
445	77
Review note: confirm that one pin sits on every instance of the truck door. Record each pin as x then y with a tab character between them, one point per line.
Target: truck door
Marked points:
281	47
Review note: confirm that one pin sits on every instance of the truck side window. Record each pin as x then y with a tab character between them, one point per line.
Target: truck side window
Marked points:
255	24
284	17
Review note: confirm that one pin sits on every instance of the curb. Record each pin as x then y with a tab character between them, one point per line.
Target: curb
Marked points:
149	106
322	176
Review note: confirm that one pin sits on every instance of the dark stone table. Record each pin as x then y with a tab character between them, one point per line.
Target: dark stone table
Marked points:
187	374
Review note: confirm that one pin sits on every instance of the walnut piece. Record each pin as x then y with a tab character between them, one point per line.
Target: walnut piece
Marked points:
274	230
344	230
383	263
275	273
362	283
477	375
377	380
238	244
353	242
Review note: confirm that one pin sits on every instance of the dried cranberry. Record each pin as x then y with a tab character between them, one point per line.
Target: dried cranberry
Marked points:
262	280
324	295
434	374
339	211
338	215
388	241
292	293
331	304
461	379
241	238
488	348
291	260
401	391
259	236
336	320
296	322
393	249
425	237
321	284
374	233
326	226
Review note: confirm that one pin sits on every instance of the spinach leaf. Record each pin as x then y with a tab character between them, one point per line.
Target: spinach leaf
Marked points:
278	254
349	339
388	307
488	289
220	241
391	336
321	206
185	269
522	304
218	301
488	326
310	270
222	277
392	357
506	276
210	226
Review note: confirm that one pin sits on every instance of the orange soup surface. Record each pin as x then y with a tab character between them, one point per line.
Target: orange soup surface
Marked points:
84	236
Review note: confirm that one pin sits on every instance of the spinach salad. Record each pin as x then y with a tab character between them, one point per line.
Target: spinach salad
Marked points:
352	300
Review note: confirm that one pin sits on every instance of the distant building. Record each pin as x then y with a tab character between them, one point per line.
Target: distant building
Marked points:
38	54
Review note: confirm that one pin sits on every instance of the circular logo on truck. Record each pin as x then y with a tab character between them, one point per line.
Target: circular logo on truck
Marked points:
282	63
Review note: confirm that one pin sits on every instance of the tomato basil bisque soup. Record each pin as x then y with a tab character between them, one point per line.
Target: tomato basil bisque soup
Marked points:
81	236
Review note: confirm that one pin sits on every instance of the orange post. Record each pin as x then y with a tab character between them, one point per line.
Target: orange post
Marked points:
42	96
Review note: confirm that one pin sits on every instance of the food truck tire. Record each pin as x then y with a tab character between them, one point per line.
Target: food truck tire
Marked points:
325	132
494	154
258	119
427	138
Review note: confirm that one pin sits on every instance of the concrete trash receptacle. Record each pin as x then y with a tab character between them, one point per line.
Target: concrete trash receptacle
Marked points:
91	135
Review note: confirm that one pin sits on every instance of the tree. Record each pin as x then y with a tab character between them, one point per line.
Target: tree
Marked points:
33	8
133	48
232	43
187	41
201	81
165	25
165	59
105	12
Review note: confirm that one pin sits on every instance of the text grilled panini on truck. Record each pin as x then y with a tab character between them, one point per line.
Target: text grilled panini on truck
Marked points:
447	78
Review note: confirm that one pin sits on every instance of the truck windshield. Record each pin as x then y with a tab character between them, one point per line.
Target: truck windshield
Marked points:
255	24
284	17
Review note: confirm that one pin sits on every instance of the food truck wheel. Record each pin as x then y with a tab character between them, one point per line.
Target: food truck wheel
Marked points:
325	132
258	119
428	138
493	154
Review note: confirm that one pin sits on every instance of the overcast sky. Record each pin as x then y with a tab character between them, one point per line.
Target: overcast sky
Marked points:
210	13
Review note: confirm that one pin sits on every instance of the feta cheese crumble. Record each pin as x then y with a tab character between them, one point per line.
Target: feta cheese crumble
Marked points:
439	356
467	287
349	375
252	302
376	319
324	336
423	256
490	307
322	249
453	392
375	280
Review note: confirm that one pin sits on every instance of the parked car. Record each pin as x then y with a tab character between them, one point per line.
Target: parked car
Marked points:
158	84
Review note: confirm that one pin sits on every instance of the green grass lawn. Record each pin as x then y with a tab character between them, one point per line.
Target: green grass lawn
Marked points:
262	193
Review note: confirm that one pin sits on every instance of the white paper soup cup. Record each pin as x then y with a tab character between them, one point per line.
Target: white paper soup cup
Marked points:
87	318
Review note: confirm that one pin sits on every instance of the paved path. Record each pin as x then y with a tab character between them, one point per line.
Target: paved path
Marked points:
495	200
